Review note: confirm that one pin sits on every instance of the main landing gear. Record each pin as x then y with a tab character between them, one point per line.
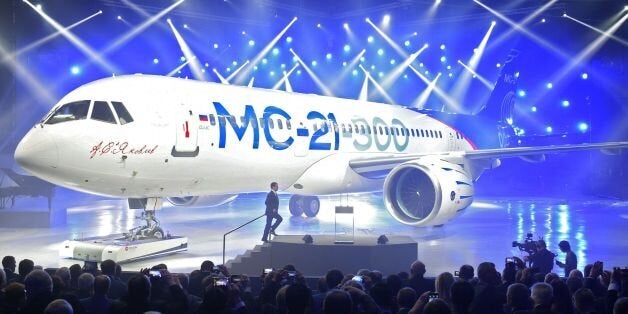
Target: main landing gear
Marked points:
299	204
151	230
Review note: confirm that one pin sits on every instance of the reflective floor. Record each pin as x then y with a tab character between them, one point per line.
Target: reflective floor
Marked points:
596	228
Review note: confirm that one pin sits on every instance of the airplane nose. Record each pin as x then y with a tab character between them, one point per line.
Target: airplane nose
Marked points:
37	152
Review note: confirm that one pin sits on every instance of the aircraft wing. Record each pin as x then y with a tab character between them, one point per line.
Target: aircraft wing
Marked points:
382	164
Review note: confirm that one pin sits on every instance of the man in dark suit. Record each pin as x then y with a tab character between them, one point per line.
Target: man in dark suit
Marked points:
272	207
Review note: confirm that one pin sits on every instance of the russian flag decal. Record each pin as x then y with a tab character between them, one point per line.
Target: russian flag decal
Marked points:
202	117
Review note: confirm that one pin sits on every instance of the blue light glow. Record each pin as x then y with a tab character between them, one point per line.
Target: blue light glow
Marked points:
406	43
392	61
380	52
443	59
549	129
234	62
275	51
583	127
354	72
521	93
251	42
289	39
442	47
155	61
533	109
344	64
549	85
75	70
347	48
328	56
182	59
370	39
584	76
314	63
264	61
565	103
215	46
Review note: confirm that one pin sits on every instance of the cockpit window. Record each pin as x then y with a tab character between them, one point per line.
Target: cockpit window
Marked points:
123	114
69	112
102	112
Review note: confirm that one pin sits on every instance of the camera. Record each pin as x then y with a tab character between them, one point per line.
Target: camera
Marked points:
221	282
235	279
357	279
528	245
267	271
432	296
510	260
456	273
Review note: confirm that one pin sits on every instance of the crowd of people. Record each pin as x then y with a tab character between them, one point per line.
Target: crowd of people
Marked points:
211	289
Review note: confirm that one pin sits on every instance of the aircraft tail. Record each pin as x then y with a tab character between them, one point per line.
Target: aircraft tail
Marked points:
501	102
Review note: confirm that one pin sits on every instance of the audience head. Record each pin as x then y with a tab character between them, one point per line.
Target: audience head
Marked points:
621	306
518	296
540	245
207	266
86	282
59	306
462	294
333	278
509	274
184	280
26	266
64	274
583	300
542	294
403	275
587	270
395	283
15	293
382	295
576	274
8	262
574	283
337	302
443	285
118	270
108	267
138	288
564	246
36	283
289	267
75	272
101	285
550	277
466	272
417	269
487	272
215	300
298	298
406	297
437	306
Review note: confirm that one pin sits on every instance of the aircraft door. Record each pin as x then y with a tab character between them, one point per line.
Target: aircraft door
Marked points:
187	134
451	141
301	141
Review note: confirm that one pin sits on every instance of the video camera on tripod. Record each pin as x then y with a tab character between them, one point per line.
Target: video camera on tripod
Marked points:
528	245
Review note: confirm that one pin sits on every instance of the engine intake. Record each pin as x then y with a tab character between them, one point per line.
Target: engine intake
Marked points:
426	191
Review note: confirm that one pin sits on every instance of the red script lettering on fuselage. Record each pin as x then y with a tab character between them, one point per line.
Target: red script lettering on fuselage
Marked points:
122	148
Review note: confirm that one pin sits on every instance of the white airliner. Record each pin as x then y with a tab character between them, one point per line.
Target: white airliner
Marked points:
149	138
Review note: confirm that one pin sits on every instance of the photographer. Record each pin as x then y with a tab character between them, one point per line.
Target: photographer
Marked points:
543	260
571	261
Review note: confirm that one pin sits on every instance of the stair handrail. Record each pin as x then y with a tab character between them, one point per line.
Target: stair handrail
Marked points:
224	237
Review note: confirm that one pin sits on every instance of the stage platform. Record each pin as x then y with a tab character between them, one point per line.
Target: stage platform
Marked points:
595	227
323	254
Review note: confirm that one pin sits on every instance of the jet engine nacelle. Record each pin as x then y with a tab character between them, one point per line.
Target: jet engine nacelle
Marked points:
202	201
427	191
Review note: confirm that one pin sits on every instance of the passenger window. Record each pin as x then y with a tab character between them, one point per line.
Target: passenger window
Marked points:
386	130
102	112
261	123
69	112
344	130
221	121
350	128
271	124
279	124
288	125
123	115
412	130
212	119
380	130
362	129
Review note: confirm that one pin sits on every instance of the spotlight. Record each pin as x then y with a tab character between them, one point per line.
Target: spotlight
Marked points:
380	52
75	70
370	39
328	56
583	127
565	103
289	39
405	76
168	20
344	64
308	239
215	46
314	63
319	25
243	32
392	61
443	59
354	72
386	19
533	109
498	65
549	85
542	20
584	76
185	26
521	93
182	59
406	43
264	61
382	239
347	48
119	17
251	42
275	51
493	23
346	26
155	61
442	47
234	63
548	129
